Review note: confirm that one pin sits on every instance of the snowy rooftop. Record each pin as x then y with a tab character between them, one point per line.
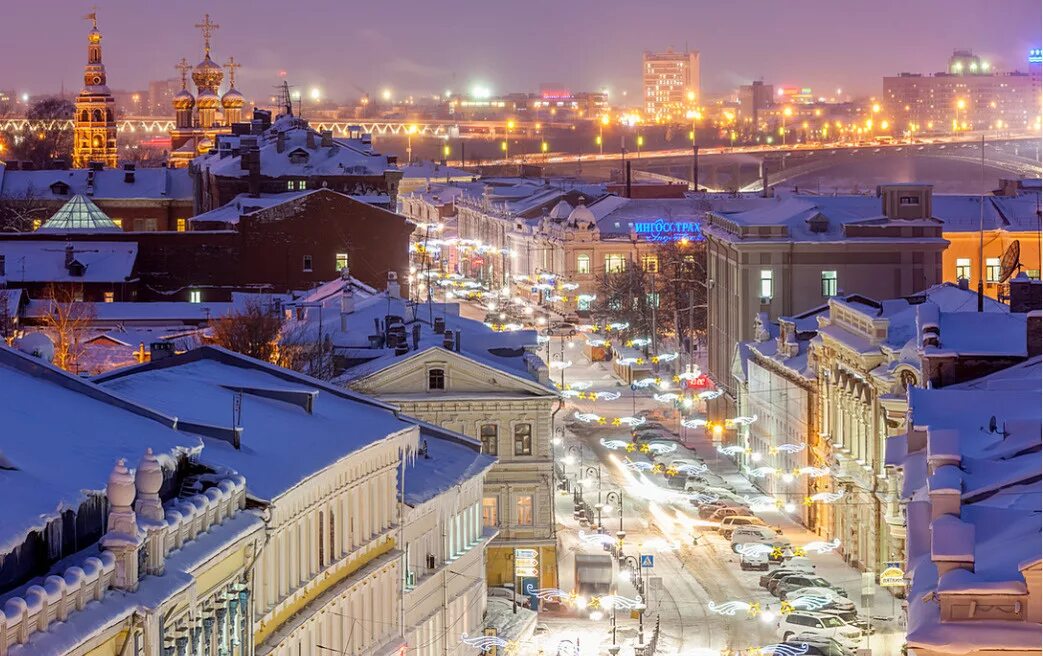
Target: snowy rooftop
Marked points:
999	474
61	437
434	171
198	386
298	156
505	351
44	261
149	183
162	313
245	204
452	459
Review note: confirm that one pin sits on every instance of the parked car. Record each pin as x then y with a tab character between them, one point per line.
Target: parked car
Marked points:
818	624
706	510
788	584
754	560
838	603
769	579
728	511
800	564
758	535
729	524
818	646
562	329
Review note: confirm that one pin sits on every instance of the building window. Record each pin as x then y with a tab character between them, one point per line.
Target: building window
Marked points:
523	440
195	296
1032	273
653	299
109	297
342	261
992	269
119	223
650	263
582	264
766	284
306	266
489	514
3	265
615	263
829	283
436	379
963	268
182	224
524	509
488	435
333	536
908	200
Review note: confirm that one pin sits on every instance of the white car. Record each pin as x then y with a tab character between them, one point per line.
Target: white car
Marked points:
754	560
729	524
759	535
819	624
826	600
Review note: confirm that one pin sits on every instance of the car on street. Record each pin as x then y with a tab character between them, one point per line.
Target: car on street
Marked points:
709	478
813	645
728	511
767	580
755	560
787	584
837	603
561	329
706	510
759	535
729	524
820	625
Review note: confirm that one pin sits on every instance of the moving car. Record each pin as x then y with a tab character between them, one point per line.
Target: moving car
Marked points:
820	625
729	524
562	329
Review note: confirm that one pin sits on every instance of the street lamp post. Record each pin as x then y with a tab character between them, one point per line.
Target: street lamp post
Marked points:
616	497
639	583
597	470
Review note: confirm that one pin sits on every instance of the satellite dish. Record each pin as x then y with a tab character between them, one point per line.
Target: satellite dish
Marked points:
1010	260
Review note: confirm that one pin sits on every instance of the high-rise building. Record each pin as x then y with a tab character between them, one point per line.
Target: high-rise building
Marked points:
160	96
970	95
671	84
753	99
94	130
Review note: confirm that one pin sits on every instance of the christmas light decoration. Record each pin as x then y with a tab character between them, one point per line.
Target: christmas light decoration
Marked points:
665	357
626	362
639	342
693	423
639	465
710	395
609	602
596	538
613	444
760	472
730	608
814	472
587	417
617	326
549	594
752	549
697	468
579	385
559	364
701	498
669	397
484	642
809	602
660	449
595	342
542	339
826	497
761	503
790	448
633	422
733	450
557	299
569	286
821	547
781	649
742	421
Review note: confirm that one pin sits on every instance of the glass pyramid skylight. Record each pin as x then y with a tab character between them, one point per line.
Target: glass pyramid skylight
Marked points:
79	214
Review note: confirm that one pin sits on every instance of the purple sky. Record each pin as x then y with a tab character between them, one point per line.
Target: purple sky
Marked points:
419	46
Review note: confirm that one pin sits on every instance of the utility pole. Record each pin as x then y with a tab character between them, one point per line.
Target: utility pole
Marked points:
695	165
981	233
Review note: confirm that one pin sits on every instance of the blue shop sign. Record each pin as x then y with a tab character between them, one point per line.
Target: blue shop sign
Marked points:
663	231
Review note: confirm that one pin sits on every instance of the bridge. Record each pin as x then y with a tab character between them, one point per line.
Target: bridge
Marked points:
444	129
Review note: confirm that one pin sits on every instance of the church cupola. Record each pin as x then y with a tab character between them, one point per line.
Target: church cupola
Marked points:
232	101
183	101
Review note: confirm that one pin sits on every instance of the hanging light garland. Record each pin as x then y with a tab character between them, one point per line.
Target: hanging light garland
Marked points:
592	418
560	364
824	497
660	449
822	547
614	444
596	538
790	448
697	468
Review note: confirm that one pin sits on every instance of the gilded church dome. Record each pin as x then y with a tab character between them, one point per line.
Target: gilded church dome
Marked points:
183	100
208	75
232	99
207	99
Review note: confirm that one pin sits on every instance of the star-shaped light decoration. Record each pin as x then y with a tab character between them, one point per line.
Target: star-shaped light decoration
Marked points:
631	447
601	421
776	553
655	359
629	343
677	379
786	608
657	468
799	552
640	361
671	471
594	603
644	448
772	451
807	501
754	610
616	422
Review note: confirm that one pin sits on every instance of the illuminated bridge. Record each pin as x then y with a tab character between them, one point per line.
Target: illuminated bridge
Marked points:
430	128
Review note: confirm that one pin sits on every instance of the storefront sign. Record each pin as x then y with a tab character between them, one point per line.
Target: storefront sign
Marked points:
663	231
892	576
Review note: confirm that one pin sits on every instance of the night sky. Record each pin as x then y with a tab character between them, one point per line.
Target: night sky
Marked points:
419	46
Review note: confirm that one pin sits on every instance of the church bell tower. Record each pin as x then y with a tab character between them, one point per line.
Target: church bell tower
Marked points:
94	137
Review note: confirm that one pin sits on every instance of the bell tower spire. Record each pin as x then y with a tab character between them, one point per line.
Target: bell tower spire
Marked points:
95	123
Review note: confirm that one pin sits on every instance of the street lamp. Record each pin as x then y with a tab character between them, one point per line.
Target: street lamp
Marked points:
601	133
639	582
507	138
597	470
616	497
410	131
961	104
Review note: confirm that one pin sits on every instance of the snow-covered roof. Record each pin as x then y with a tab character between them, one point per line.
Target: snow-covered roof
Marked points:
302	437
245	205
44	261
433	170
504	351
450	461
162	313
998	527
297	157
61	437
159	183
79	214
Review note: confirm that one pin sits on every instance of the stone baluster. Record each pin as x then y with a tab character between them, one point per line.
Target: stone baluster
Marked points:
122	539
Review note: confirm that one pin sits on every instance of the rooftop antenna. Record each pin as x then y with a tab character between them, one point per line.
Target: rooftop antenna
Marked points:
283	98
981	232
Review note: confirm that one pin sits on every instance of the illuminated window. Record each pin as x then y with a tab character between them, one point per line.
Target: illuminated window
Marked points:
37	223
524	509
195	296
306	263
829	283
615	263
181	225
583	304
436	379
963	268
653	299
109	297
119	223
488	434
342	261
1032	273
650	263
992	269
766	284
582	264
489	511
523	440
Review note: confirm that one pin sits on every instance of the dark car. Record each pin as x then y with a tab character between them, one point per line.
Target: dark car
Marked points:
819	646
786	584
768	579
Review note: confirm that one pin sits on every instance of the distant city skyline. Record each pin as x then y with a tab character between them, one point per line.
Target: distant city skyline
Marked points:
420	48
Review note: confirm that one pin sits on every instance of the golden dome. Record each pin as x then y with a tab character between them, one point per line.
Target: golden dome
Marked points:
208	75
94	36
183	100
207	99
232	99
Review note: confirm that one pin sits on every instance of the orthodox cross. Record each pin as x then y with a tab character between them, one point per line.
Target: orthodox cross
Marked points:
207	28
231	65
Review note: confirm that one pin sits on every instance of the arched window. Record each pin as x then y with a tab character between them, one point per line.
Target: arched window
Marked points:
108	115
97	115
85	116
333	536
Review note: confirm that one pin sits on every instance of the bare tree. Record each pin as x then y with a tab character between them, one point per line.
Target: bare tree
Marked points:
44	145
19	210
624	297
682	290
68	318
252	331
301	351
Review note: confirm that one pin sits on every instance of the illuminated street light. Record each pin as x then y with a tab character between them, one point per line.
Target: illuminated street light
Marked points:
386	95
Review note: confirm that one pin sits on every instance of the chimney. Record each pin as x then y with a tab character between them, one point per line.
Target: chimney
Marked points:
628	180
964	284
347	306
447	340
160	351
345	273
280	142
394	289
416	336
251	161
439	325
128	173
1033	327
1024	294
456	346
327	138
69	257
311	140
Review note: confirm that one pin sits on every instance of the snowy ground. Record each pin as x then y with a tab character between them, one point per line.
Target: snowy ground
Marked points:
692	576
